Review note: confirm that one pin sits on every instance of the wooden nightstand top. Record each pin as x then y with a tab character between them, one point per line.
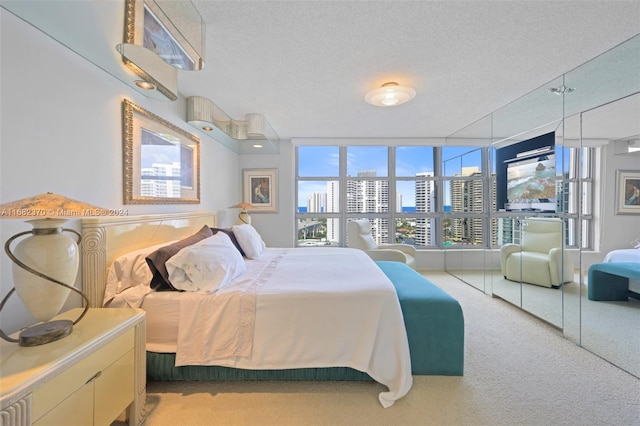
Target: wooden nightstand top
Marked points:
23	368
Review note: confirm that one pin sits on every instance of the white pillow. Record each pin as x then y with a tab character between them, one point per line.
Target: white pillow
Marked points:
129	270
207	265
249	239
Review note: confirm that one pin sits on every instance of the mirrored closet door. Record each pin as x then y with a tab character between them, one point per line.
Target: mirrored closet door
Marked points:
591	118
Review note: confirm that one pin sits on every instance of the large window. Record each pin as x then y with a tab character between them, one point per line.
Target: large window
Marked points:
393	187
426	196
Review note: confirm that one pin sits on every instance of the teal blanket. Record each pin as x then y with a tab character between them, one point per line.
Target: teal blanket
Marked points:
433	319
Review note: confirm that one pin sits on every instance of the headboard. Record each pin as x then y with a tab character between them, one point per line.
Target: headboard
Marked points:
104	239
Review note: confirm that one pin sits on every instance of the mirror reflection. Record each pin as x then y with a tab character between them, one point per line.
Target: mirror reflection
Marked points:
592	114
464	204
609	321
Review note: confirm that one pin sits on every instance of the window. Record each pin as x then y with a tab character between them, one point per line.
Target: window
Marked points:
422	195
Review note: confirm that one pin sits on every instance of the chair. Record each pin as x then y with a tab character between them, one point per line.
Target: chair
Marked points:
539	259
359	236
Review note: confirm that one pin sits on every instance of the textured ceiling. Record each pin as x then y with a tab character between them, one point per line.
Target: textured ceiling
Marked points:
306	65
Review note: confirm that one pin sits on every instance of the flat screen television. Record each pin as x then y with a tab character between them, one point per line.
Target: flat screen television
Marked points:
531	183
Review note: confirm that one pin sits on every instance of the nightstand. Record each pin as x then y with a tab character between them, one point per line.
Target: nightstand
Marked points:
87	378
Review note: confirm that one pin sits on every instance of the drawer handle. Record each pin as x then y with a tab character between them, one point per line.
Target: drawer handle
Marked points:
95	376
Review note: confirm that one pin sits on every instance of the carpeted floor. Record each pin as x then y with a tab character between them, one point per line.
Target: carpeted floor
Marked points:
518	371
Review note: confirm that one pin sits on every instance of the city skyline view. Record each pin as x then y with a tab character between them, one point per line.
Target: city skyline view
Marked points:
323	161
402	189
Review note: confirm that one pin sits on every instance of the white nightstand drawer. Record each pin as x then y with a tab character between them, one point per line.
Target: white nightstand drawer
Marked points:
52	393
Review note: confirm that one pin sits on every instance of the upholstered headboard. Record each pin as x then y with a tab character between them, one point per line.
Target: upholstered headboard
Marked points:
106	238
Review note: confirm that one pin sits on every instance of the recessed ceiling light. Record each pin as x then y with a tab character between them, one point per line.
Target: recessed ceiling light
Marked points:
390	94
257	145
144	85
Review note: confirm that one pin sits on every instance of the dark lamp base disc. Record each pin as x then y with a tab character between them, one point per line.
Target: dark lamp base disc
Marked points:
45	333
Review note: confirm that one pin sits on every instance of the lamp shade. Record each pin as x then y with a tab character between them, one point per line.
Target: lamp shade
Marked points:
242	205
48	205
390	94
243	216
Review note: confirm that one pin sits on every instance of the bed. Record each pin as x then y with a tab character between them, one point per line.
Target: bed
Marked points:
617	278
623	255
348	320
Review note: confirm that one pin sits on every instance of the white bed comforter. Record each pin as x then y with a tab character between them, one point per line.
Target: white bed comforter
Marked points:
623	255
301	308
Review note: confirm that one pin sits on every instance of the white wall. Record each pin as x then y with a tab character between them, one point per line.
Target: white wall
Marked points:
277	230
61	131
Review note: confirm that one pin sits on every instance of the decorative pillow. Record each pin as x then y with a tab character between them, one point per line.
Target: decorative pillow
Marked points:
231	235
157	259
129	270
207	265
249	239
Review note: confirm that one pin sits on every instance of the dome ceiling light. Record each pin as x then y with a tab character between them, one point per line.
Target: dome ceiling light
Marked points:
390	94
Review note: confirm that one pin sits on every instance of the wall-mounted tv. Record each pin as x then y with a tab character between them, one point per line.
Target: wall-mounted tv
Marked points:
532	180
526	175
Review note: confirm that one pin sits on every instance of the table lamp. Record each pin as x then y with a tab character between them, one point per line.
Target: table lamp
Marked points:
243	216
45	264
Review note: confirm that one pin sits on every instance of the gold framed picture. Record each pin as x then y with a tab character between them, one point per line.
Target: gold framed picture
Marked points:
161	162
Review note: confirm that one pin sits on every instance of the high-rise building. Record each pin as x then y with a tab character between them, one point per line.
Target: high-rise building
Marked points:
466	197
370	196
317	202
424	203
161	180
332	203
398	202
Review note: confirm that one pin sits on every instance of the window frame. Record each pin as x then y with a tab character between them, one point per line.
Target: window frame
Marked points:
580	231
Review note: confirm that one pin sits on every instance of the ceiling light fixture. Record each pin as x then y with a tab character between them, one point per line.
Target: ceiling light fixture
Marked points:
204	114
390	94
561	90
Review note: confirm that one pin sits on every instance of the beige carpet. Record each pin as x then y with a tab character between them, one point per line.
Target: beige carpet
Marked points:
518	371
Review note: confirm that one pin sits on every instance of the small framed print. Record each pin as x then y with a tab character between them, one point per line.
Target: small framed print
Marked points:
260	189
628	192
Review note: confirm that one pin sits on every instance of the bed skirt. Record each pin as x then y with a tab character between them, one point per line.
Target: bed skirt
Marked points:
161	366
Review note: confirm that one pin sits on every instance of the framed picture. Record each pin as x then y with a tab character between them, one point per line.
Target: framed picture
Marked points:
628	192
260	189
161	162
152	27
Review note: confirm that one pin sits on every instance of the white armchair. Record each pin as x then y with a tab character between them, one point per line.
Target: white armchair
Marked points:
539	259
359	236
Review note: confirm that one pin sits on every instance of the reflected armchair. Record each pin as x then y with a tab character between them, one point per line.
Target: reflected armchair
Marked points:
539	259
359	236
